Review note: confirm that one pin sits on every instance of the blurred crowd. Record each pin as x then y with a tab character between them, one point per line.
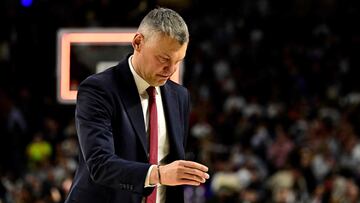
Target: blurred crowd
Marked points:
275	98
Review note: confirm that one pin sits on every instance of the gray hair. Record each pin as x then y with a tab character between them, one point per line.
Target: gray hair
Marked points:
166	21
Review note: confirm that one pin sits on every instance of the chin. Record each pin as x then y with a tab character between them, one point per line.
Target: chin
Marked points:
161	83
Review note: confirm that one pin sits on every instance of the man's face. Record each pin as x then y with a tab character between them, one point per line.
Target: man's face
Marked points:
158	58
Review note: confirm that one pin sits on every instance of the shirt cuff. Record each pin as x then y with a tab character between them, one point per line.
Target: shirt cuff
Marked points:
147	180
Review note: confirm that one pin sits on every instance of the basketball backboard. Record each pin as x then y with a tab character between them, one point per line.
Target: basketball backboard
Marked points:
82	52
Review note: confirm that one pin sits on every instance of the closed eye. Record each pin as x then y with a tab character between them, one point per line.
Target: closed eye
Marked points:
163	60
179	61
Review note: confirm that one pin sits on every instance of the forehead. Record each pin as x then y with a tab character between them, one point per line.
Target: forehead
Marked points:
163	44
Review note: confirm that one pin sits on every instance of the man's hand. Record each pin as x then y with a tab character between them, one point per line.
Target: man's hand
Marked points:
180	173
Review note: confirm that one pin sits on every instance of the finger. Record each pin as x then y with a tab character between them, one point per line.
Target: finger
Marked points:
196	172
189	182
191	164
193	177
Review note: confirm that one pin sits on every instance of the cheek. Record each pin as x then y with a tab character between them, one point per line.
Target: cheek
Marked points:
152	68
149	65
156	66
176	67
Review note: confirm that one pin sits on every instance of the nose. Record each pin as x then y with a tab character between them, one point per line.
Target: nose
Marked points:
170	68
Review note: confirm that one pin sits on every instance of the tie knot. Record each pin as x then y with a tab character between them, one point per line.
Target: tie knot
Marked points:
151	91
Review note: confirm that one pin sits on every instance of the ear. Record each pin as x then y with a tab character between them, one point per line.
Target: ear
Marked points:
137	41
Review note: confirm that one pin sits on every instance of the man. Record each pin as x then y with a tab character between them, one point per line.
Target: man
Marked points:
132	137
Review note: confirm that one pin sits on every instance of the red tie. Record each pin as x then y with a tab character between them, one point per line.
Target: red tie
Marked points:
153	135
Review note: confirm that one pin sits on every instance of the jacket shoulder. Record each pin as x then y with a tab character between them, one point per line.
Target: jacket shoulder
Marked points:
177	87
104	78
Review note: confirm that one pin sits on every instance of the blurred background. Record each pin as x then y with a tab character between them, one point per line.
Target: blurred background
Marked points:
274	86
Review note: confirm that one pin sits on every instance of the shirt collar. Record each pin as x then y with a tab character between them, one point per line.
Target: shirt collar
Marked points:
141	84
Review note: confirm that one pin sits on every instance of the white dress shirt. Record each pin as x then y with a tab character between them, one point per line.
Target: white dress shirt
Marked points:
163	141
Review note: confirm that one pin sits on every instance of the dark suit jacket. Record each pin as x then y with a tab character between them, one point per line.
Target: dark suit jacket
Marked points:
113	162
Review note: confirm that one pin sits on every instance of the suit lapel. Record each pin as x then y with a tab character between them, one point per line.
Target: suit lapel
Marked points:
131	100
172	115
132	104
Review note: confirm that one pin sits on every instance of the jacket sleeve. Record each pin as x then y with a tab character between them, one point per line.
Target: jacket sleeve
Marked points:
94	110
187	110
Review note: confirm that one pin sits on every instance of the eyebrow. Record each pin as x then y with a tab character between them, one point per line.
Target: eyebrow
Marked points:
180	59
164	55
